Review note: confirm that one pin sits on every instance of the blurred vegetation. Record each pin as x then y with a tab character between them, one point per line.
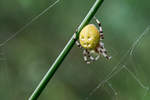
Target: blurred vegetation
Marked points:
25	59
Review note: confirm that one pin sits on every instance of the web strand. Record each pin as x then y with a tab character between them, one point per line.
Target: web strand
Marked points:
116	69
139	39
113	90
140	83
30	22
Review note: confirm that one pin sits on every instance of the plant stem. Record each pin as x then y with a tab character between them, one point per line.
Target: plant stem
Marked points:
64	52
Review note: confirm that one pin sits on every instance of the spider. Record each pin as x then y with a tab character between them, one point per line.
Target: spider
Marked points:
90	40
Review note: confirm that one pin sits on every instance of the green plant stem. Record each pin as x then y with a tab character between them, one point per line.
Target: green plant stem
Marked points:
64	52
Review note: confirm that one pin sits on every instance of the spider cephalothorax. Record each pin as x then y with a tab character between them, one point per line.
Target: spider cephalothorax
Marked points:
90	40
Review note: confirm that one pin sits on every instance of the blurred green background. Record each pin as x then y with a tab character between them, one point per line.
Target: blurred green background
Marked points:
25	59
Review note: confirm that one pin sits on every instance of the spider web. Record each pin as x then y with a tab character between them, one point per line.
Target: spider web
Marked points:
28	24
5	70
122	65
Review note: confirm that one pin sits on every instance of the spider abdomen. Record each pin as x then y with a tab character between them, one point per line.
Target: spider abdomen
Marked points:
89	37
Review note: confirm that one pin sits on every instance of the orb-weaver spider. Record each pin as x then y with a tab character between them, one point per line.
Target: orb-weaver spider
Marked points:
90	39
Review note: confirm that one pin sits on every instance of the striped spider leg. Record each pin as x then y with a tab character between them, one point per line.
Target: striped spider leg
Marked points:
101	49
88	58
100	28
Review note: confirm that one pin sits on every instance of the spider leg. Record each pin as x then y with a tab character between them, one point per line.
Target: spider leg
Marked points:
94	58
78	44
75	38
102	50
75	35
85	56
91	57
88	58
97	57
100	28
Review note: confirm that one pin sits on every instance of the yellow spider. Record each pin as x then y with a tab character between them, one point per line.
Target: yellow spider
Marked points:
90	40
